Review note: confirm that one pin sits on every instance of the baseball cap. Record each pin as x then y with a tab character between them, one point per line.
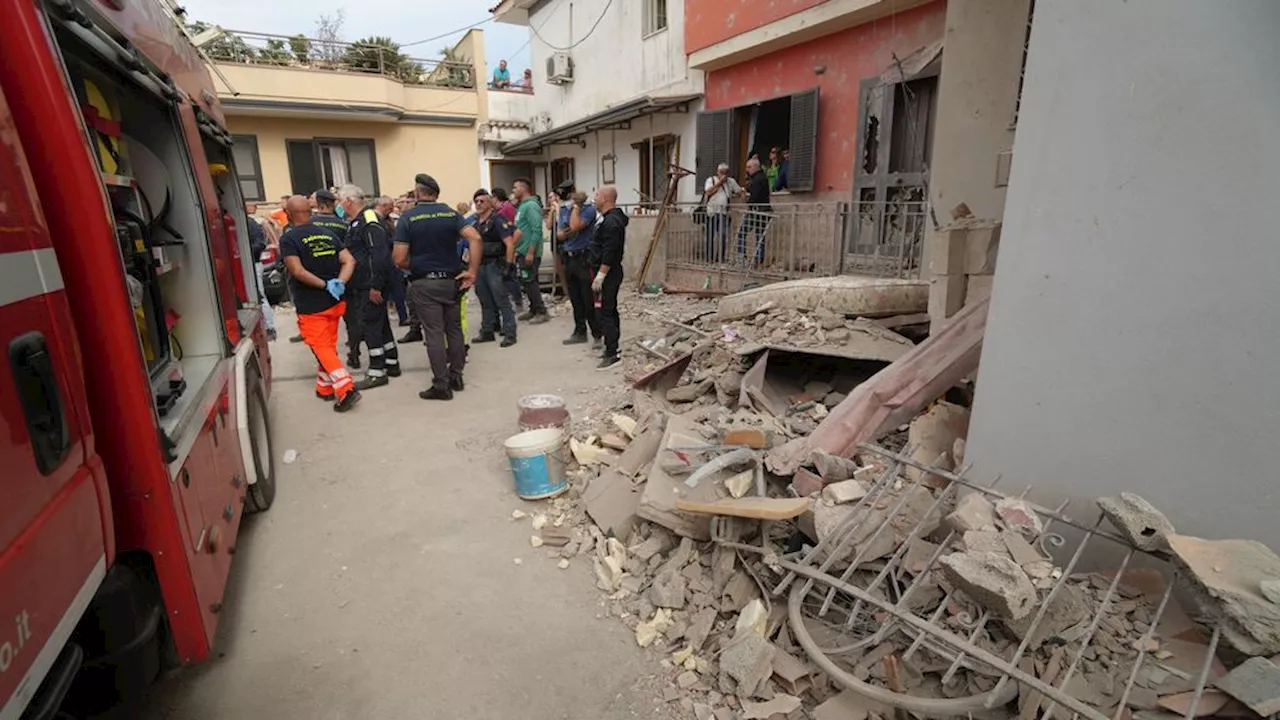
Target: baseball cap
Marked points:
325	195
565	186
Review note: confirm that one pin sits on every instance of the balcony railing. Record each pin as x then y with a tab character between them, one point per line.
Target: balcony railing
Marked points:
795	240
251	48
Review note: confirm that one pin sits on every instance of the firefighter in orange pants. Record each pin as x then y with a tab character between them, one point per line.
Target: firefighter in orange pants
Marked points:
319	268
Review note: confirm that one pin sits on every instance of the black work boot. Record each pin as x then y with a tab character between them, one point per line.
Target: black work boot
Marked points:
597	343
370	383
353	362
456	383
525	317
394	370
435	393
484	337
576	339
413	336
348	402
608	361
507	342
296	338
326	398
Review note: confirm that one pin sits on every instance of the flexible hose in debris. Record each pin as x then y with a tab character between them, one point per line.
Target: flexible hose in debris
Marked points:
930	707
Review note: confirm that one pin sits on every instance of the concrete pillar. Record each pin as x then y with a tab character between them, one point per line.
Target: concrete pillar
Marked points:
977	94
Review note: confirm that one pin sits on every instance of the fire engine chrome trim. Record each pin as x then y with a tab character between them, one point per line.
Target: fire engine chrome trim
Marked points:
244	355
53	646
28	273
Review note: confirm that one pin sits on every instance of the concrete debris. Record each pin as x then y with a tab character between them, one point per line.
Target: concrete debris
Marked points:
625	424
848	705
650	630
833	468
993	581
1271	590
563	564
739	484
933	435
1256	683
973	512
779	705
1020	515
1224	578
1138	521
748	659
668	590
518	514
752	619
846	491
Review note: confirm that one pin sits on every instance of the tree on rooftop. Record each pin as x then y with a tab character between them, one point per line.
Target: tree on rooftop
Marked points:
276	52
301	48
329	45
381	54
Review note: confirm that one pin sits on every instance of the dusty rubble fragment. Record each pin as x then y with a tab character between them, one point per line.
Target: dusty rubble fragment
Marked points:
846	491
1225	578
973	512
933	435
1138	521
779	705
1256	683
748	659
993	581
668	590
1018	514
650	630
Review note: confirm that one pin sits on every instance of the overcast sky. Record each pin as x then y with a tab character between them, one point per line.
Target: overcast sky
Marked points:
403	22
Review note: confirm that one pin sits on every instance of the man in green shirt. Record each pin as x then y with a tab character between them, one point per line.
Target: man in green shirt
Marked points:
528	238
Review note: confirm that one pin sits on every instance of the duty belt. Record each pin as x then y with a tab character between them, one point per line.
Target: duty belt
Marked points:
433	276
574	253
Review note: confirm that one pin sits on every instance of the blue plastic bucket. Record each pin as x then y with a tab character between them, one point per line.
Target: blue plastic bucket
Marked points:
537	463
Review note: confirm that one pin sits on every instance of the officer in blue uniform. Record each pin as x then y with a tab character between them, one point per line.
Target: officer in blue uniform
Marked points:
574	226
369	244
427	246
326	216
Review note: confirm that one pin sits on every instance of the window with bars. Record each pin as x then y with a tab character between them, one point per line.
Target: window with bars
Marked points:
655	16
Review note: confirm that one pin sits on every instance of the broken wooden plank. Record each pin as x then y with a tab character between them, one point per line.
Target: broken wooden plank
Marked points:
749	507
898	321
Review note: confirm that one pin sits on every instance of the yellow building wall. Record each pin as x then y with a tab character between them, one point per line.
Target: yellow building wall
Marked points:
321	87
403	150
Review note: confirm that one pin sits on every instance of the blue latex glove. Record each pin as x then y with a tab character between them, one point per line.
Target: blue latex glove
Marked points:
336	288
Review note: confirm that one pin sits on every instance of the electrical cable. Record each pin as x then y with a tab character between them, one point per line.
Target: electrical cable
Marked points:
451	32
595	25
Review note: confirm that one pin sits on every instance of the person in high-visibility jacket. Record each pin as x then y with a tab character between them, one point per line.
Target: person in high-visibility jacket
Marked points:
373	282
319	268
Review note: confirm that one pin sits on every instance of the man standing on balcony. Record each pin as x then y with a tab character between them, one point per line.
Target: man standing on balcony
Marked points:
759	211
502	76
716	193
575	225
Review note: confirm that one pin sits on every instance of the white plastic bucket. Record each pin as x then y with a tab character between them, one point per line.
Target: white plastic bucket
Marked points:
537	463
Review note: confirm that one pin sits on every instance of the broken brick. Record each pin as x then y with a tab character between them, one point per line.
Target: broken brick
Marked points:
973	512
1138	521
748	437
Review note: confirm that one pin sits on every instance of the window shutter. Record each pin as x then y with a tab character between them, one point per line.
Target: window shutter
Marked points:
713	144
804	140
304	176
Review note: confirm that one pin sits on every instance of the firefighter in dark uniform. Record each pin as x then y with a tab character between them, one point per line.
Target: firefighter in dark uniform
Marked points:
427	246
369	244
326	216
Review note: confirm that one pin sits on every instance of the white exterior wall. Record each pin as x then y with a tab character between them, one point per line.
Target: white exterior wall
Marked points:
614	63
1132	342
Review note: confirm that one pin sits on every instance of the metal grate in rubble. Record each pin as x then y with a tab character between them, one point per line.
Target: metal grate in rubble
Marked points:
901	634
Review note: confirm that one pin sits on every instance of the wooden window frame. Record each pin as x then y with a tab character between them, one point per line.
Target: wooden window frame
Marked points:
656	17
317	158
256	178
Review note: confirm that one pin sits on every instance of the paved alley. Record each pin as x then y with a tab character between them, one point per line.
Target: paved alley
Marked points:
384	582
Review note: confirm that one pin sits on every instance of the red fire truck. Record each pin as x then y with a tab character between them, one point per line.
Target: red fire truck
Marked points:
134	401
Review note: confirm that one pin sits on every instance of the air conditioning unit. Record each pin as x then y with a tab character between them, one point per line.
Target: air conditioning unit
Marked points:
560	68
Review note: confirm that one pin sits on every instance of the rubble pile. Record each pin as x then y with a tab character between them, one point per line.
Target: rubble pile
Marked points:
881	583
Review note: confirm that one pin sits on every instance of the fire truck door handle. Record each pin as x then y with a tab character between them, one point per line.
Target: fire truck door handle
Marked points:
37	385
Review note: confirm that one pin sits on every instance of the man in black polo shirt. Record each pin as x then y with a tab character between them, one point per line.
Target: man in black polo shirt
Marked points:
427	246
326	217
759	213
319	269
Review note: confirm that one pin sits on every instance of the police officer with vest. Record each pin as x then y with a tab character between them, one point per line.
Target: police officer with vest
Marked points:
497	264
326	216
427	246
369	244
